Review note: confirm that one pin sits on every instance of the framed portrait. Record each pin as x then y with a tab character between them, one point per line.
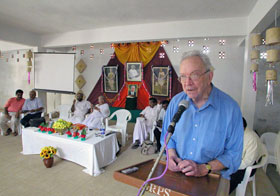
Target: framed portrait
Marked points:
132	90
160	81
110	79
134	71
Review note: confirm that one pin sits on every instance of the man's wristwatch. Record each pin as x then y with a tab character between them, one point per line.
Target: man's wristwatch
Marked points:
208	167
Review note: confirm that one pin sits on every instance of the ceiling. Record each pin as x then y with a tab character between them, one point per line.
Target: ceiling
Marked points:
56	16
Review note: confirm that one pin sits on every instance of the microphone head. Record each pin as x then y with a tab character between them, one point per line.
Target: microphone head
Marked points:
184	103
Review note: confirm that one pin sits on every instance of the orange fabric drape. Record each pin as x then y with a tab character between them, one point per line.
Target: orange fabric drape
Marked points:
136	52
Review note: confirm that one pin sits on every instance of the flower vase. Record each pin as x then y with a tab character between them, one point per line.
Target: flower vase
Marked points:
48	162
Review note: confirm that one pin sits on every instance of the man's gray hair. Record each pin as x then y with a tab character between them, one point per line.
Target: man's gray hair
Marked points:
205	59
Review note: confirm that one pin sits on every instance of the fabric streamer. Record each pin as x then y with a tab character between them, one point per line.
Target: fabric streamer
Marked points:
269	94
28	77
255	81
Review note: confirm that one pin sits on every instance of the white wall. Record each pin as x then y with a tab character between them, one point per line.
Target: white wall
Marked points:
13	76
151	31
228	74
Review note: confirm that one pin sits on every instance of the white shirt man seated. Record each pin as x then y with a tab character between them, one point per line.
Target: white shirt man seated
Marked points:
80	108
99	112
159	122
250	154
144	123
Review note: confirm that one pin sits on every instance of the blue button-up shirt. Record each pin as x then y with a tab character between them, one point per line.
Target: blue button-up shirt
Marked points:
214	131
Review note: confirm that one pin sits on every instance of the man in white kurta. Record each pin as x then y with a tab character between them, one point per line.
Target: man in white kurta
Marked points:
80	108
251	149
144	123
100	111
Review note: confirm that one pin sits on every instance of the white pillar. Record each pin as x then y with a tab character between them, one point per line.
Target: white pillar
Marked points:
248	100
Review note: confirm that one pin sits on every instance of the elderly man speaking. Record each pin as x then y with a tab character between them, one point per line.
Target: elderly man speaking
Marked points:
209	135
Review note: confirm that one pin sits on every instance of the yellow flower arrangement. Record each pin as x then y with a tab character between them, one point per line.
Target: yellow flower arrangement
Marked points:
47	152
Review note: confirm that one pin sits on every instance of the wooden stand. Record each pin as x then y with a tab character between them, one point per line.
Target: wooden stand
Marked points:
174	184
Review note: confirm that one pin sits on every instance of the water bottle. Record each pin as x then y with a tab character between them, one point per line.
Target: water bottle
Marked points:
102	128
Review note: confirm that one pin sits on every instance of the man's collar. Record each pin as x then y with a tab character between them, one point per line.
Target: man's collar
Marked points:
212	100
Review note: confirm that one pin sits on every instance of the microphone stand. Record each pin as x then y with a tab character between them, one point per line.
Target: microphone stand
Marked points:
170	132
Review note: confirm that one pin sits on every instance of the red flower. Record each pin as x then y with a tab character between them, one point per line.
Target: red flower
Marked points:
83	136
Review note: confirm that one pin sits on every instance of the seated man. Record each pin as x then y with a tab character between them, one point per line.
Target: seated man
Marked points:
80	108
251	148
144	123
33	107
157	130
99	112
12	110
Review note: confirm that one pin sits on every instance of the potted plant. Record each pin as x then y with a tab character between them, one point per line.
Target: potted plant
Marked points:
47	154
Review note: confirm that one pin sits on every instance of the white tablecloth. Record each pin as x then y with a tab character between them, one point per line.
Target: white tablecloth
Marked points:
94	153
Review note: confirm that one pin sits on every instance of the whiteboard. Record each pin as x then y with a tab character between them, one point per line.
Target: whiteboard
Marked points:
54	72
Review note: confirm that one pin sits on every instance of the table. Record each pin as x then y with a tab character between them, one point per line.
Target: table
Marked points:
94	153
174	183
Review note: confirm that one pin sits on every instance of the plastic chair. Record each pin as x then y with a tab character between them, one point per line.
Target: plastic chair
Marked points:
123	116
19	126
269	140
277	151
241	188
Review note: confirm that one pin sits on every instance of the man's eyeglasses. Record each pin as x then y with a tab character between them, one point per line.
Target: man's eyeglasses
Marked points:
193	76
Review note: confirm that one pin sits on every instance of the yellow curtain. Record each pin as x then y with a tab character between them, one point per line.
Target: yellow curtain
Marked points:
142	51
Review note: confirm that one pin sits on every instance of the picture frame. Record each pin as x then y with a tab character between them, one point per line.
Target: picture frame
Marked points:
132	90
110	79
134	71
160	81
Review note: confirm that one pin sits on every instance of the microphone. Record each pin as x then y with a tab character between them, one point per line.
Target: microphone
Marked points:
183	105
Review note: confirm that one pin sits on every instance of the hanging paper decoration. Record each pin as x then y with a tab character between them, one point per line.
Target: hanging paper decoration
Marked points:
91	47
74	48
101	51
271	78
253	71
256	41
271	75
29	55
82	52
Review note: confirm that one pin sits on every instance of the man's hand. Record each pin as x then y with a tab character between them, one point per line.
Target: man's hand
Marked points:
74	101
190	168
96	108
174	160
8	116
18	114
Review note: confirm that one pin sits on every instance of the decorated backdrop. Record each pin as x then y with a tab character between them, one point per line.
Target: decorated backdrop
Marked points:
152	55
